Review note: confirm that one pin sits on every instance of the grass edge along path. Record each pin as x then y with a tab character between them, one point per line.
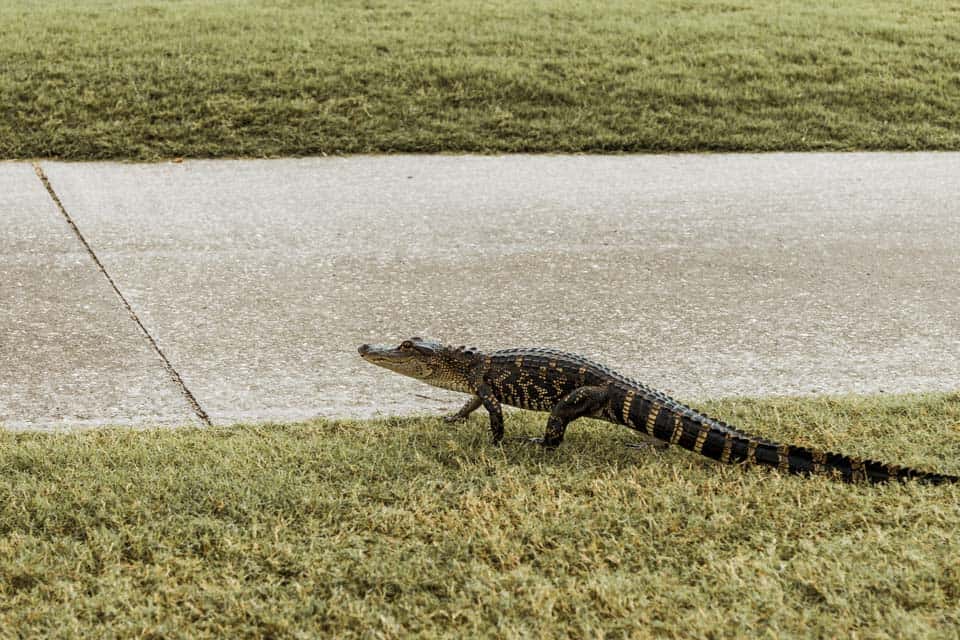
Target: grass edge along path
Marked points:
399	527
147	80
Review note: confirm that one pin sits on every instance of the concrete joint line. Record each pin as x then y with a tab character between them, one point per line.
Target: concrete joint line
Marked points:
171	371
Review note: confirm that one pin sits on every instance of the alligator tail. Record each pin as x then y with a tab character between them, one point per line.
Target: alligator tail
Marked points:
673	422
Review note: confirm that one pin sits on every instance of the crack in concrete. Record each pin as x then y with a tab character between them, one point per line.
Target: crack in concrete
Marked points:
171	371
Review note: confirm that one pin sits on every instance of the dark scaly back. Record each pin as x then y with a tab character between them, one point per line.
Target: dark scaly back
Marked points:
536	379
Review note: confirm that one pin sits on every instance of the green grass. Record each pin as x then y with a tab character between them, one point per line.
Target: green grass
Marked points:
154	79
408	527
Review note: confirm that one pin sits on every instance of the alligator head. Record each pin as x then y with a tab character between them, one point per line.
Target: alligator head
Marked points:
426	360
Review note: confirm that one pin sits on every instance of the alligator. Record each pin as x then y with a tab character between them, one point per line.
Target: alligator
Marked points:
569	386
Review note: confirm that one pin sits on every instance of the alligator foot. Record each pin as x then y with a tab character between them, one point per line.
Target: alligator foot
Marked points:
658	445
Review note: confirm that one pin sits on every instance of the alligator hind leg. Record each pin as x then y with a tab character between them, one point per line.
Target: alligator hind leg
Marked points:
472	405
583	401
647	442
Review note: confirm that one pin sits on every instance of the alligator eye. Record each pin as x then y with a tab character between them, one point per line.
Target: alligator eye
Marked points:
406	345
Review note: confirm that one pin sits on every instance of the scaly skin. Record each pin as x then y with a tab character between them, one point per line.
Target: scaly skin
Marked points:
569	386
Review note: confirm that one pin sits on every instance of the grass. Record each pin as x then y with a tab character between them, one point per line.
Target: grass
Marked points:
410	527
149	79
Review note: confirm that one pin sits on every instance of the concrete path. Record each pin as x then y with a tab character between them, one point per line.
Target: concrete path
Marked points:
239	290
69	353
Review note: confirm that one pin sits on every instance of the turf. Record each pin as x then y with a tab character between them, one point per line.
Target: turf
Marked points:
411	527
144	80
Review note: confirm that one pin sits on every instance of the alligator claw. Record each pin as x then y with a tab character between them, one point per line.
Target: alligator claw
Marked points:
647	445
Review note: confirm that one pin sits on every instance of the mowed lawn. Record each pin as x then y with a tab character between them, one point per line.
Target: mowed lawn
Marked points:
411	527
148	79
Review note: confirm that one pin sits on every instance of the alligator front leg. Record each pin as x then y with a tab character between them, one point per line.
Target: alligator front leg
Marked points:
492	404
472	405
583	401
